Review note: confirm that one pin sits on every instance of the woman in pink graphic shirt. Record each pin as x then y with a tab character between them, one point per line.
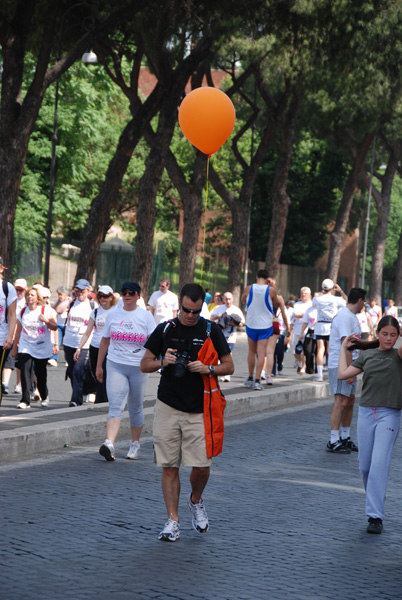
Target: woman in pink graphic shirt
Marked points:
125	332
34	343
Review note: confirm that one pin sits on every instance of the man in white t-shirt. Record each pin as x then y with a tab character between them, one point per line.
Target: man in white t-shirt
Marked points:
163	304
222	315
327	306
299	309
344	323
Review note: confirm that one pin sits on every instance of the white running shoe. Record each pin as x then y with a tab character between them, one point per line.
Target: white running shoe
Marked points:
23	405
89	398
318	378
249	383
171	531
134	451
257	386
200	517
52	362
224	378
45	402
263	376
107	450
18	388
269	381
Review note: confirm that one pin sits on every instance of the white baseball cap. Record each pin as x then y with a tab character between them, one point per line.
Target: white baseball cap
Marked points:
105	289
327	285
20	283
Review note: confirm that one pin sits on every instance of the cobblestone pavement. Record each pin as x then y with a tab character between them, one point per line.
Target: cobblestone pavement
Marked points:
286	522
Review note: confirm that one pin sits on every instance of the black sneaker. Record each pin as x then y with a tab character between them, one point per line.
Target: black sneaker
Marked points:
374	526
4	389
348	443
337	447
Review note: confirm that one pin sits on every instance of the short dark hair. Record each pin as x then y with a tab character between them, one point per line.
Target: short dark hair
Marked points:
355	295
193	291
263	274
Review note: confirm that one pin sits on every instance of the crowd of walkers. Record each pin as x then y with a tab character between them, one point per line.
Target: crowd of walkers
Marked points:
102	336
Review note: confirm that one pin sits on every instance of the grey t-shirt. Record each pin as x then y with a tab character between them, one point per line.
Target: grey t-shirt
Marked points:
382	378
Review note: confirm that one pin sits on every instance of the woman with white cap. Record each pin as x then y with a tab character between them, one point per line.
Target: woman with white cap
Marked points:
33	344
124	335
107	301
77	320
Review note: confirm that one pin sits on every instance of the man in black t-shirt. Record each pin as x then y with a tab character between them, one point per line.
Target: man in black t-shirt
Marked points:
179	433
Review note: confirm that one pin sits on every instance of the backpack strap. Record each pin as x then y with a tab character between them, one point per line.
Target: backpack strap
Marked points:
5	291
68	312
22	312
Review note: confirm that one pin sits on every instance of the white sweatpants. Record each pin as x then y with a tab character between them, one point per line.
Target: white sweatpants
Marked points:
377	431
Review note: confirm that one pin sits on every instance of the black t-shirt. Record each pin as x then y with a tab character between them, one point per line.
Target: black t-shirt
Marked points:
184	393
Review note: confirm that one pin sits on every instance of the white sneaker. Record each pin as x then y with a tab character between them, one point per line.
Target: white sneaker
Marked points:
134	451
263	376
200	518
45	402
318	378
52	362
269	381
35	396
280	372
257	386
171	531
23	405
107	450
18	388
89	398
249	383
225	378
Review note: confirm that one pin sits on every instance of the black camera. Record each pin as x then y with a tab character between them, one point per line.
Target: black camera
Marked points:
180	366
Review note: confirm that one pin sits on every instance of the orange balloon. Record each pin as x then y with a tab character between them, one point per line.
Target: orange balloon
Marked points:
207	117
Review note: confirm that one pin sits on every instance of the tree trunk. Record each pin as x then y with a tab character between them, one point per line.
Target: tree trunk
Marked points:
280	198
398	275
342	217
148	189
383	202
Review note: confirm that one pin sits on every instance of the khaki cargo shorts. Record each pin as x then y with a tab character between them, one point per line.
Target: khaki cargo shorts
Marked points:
179	438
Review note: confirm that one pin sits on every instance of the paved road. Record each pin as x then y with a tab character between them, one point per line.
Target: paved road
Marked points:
287	522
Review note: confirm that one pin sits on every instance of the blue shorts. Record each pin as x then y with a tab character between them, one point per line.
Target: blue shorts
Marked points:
259	334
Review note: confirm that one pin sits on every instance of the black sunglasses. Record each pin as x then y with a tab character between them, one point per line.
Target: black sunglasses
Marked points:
129	292
191	312
100	295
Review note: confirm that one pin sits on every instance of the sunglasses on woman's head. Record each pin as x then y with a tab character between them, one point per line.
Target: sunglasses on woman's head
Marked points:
129	292
104	295
191	312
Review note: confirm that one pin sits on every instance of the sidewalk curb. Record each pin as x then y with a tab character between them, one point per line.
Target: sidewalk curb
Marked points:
34	439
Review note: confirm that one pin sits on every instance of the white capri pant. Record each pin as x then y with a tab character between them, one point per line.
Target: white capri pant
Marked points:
377	430
125	384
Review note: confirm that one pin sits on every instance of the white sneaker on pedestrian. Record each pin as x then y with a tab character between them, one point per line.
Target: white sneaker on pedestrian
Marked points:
89	398
318	378
45	402
280	372
52	362
257	386
269	381
263	376
225	378
171	531
249	382
200	517
18	389
23	405
134	451
35	396
107	450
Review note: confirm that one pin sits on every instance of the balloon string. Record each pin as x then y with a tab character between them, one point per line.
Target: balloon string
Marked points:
205	220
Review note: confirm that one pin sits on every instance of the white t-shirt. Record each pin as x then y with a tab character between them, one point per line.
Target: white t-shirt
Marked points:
299	307
229	332
77	323
362	318
310	317
327	306
99	321
374	312
12	297
35	337
128	331
345	323
163	305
